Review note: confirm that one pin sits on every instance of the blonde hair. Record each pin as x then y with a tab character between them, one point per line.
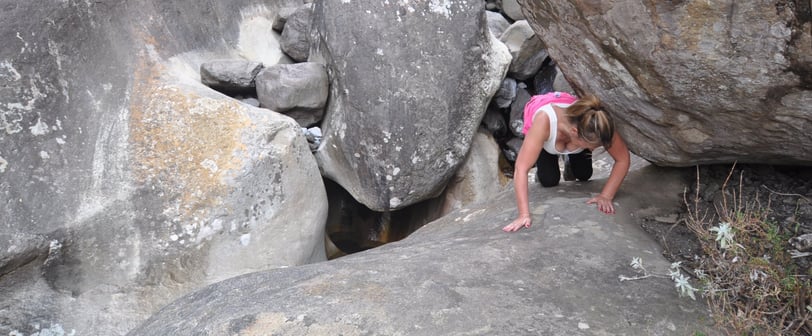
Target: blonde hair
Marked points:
593	123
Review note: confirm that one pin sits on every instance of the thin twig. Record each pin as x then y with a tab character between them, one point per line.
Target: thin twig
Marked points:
786	194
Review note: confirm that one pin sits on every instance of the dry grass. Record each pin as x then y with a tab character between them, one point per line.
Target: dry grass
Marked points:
752	285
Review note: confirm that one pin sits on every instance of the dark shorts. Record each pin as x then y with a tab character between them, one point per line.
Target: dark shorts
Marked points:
549	174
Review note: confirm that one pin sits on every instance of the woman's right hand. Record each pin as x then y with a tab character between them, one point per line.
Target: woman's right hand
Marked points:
518	223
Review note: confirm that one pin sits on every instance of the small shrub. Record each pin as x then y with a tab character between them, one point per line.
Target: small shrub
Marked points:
746	271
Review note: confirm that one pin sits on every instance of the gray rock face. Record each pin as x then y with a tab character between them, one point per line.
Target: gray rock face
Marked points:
517	110
561	84
230	76
124	182
408	90
282	17
297	90
506	94
478	179
496	23
296	34
494	122
691	82
512	9
527	49
461	275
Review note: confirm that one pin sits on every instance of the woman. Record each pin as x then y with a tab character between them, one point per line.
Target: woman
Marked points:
557	123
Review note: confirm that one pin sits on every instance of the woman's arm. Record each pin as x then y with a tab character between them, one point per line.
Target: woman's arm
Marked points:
620	153
533	142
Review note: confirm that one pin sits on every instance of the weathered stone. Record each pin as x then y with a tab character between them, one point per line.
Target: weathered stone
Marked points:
527	50
544	79
691	82
408	90
512	9
560	84
496	23
478	178
296	35
461	275
230	76
282	17
126	183
494	122
802	243
250	101
297	90
506	94
313	136
516	121
512	148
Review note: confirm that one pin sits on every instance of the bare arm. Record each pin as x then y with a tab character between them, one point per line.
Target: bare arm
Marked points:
528	154
620	153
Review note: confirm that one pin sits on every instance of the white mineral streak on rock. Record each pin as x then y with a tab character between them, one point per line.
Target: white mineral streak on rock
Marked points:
54	330
7	71
442	7
210	164
40	128
394	202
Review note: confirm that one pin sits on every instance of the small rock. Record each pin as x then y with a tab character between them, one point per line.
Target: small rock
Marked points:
802	243
668	219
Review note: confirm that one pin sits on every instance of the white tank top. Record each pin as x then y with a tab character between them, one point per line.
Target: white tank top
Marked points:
549	145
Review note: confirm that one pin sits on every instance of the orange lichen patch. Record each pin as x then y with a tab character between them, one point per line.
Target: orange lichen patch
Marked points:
281	324
182	142
697	23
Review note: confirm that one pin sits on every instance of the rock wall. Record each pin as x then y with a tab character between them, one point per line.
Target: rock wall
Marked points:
124	182
691	82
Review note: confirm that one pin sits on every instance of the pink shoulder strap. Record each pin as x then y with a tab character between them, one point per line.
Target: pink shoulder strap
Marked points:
536	102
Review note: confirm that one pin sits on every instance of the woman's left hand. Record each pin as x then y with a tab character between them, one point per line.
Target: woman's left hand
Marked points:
604	204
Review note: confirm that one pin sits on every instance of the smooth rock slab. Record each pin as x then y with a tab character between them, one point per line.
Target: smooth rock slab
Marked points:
461	275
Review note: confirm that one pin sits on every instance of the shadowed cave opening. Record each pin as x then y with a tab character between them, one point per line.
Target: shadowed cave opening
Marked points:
352	227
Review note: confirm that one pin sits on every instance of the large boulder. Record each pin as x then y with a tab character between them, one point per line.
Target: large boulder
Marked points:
408	89
124	181
461	275
691	82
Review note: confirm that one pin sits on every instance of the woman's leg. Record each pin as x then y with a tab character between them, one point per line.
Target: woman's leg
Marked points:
581	165
547	170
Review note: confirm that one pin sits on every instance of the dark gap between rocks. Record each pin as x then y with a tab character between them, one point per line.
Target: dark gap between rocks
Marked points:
352	227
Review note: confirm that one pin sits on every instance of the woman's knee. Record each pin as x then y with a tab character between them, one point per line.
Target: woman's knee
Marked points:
581	166
549	180
583	174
